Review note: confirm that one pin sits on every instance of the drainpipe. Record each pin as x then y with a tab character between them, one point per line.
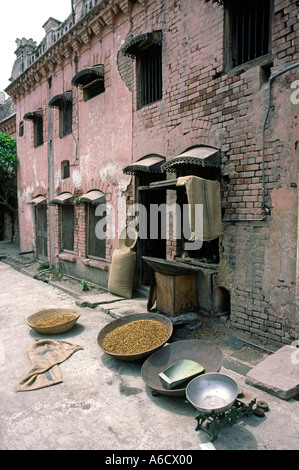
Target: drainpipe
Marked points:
50	178
264	207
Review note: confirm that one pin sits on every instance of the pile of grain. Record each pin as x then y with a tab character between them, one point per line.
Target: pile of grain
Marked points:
55	320
135	337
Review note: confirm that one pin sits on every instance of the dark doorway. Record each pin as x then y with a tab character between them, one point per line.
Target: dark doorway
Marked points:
223	300
150	246
149	243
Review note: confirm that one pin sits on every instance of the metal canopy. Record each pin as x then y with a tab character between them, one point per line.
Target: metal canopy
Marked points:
148	164
141	42
203	156
94	197
58	100
64	198
88	75
37	200
34	115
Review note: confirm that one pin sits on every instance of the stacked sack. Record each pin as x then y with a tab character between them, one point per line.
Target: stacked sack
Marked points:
122	271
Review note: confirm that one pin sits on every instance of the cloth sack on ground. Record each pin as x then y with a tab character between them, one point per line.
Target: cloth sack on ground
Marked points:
122	273
45	355
207	193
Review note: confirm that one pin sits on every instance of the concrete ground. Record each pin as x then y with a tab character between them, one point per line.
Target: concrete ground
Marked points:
103	403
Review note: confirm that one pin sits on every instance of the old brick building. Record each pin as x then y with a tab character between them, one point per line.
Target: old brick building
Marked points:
124	97
7	116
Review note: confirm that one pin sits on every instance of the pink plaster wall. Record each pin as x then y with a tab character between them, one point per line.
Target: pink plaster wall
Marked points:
33	163
101	133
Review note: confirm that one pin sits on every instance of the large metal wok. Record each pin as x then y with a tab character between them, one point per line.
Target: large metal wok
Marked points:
212	393
169	267
129	319
205	353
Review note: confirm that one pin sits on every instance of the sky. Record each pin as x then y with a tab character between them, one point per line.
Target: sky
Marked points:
25	18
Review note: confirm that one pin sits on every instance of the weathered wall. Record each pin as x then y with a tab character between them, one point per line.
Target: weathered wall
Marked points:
33	163
203	104
98	148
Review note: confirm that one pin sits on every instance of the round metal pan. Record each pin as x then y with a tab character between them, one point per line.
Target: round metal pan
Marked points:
128	319
204	352
212	393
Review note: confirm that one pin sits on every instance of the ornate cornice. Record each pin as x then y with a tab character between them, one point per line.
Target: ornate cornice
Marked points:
68	45
8	126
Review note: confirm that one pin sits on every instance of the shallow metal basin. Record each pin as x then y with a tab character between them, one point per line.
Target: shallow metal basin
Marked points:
204	352
169	267
212	393
128	319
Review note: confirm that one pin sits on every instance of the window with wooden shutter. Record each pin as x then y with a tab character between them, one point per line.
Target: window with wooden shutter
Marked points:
67	227
96	238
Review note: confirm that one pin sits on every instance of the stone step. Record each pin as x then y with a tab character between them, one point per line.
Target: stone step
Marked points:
278	374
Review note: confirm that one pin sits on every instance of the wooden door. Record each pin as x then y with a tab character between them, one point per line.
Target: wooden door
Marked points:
41	233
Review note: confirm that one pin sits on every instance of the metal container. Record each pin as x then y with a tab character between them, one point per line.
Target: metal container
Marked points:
204	352
169	267
128	319
179	373
212	393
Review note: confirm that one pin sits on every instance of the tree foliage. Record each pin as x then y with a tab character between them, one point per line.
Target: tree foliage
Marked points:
8	176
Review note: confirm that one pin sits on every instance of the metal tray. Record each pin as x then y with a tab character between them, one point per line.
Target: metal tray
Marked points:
204	352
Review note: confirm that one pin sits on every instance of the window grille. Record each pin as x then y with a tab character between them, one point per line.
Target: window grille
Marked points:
249	30
150	75
146	48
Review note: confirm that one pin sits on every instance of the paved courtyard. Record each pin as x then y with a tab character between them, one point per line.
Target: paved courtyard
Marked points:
103	403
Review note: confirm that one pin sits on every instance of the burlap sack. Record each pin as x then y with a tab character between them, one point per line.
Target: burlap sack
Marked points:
45	355
122	273
207	193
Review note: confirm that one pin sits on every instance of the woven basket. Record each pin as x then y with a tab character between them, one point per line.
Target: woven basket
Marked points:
52	330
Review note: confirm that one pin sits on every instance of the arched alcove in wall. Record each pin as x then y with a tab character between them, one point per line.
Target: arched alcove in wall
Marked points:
223	300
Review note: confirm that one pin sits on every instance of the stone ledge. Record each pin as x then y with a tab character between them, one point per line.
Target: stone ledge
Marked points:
95	264
93	300
67	257
278	374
